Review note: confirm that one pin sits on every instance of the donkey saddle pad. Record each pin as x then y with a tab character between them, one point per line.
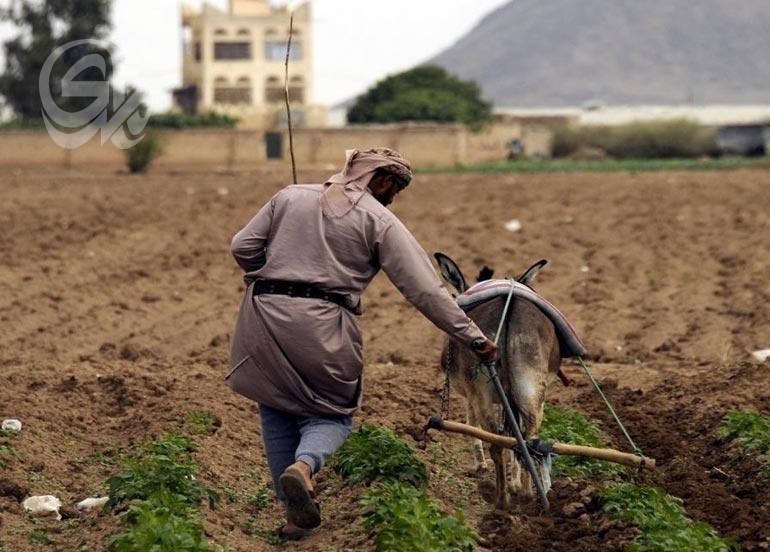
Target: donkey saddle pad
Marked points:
569	342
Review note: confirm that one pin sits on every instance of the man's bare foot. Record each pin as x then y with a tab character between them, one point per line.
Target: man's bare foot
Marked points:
297	484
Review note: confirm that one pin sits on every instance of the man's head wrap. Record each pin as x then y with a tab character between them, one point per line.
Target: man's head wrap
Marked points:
344	190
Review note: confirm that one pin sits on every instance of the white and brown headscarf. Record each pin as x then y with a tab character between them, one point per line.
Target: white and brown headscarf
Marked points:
345	189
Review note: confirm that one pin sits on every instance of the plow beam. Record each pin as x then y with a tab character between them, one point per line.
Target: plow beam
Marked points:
608	455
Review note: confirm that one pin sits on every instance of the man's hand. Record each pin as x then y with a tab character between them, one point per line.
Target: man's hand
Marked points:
485	350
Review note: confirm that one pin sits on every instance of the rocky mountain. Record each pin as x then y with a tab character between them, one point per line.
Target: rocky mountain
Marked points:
554	53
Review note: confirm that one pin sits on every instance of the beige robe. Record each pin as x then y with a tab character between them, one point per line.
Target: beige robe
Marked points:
303	355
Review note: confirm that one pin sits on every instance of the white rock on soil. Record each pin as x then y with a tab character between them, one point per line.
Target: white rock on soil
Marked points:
513	225
13	425
92	503
761	355
223	191
585	268
42	505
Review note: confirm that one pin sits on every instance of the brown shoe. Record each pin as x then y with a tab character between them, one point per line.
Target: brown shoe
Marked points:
301	508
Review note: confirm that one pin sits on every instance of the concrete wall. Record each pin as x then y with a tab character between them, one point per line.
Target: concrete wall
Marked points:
424	145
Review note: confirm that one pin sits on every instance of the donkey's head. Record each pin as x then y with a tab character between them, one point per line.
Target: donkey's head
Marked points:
454	276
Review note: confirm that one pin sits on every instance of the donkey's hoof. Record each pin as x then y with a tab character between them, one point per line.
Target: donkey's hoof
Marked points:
478	471
487	490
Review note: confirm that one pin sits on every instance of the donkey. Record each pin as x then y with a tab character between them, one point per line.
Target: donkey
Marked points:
528	356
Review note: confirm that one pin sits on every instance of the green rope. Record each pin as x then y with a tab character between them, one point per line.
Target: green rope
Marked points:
595	383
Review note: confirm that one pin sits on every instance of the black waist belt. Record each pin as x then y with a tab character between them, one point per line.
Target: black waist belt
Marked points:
296	289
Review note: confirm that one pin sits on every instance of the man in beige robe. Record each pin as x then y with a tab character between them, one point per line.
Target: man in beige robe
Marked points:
308	254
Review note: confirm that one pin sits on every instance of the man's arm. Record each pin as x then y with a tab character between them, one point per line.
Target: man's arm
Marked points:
409	268
248	245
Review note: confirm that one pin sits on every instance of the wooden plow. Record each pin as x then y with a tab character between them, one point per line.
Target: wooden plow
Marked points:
544	447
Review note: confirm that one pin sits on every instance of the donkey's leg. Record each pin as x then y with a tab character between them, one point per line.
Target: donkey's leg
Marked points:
502	497
477	448
529	393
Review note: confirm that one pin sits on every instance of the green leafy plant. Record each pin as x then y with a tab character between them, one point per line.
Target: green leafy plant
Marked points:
749	428
166	522
162	465
159	480
752	431
7	452
406	520
378	454
259	498
569	426
141	155
661	519
40	536
200	422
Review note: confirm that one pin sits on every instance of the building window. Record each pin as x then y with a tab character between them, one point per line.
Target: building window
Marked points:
220	32
275	50
232	50
232	95
243	32
274	92
197	51
297	89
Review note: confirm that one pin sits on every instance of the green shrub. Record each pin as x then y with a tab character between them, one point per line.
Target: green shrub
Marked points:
661	519
141	155
259	498
406	521
200	422
165	465
640	140
752	431
378	454
749	428
159	477
164	523
569	426
180	120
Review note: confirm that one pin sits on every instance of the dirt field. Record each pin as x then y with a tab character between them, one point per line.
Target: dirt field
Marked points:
118	293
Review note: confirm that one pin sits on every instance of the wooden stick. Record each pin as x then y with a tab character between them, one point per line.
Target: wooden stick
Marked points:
286	95
608	455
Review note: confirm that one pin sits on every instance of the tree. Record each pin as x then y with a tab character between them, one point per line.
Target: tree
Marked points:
425	93
44	25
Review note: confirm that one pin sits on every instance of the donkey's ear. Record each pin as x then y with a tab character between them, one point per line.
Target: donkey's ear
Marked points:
529	275
451	272
485	274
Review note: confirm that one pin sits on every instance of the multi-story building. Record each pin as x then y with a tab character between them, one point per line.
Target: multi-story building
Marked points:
233	63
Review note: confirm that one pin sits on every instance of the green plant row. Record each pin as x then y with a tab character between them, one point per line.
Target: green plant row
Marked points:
751	430
158	483
407	520
402	514
528	166
661	519
7	451
570	426
377	454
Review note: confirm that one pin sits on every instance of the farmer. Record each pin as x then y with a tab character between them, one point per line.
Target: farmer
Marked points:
308	254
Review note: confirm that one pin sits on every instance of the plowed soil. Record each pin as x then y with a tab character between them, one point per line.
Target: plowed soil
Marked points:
118	294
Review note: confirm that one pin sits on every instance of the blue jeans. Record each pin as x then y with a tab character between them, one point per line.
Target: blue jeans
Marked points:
288	438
